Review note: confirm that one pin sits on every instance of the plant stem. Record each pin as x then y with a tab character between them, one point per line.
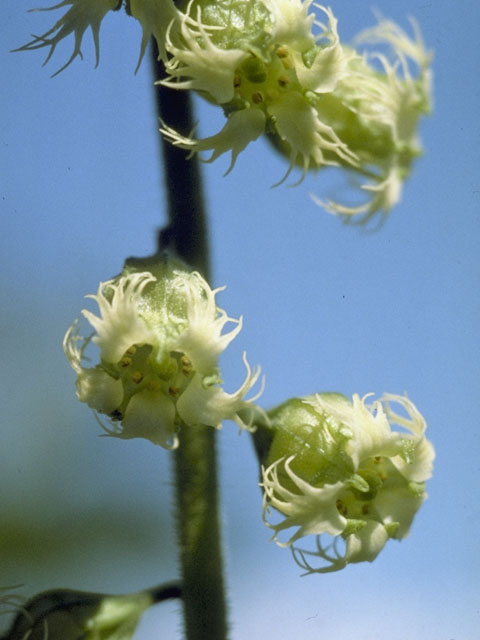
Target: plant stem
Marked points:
187	231
195	459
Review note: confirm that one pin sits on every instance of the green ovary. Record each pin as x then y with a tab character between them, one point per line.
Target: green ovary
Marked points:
378	477
138	370
259	84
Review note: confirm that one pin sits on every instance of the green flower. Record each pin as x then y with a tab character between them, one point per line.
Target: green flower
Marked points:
160	334
336	467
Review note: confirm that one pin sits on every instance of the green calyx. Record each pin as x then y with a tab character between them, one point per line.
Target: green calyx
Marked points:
317	442
159	295
244	23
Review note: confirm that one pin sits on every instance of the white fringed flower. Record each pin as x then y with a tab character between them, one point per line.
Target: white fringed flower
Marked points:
279	67
336	467
387	102
256	90
160	335
321	103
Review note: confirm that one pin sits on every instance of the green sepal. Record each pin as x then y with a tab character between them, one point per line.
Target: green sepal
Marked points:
317	443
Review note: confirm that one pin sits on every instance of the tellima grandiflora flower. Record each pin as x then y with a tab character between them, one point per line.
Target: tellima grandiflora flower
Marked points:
336	467
278	67
160	334
275	68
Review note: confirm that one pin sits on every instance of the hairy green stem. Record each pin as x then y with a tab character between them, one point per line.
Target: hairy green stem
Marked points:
195	459
196	482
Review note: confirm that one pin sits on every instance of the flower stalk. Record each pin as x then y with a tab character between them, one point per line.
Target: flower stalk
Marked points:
195	459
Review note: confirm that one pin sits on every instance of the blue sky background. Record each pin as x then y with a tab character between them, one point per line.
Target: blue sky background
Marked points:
325	306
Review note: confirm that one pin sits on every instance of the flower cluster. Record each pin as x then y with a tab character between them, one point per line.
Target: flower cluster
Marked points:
275	68
336	467
160	335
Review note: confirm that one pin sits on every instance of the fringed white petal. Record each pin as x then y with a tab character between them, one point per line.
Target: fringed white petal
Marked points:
297	123
291	22
330	64
312	510
369	428
150	415
415	422
397	96
197	63
120	324
331	558
387	31
72	351
385	194
154	18
211	405
202	340
95	386
241	128
418	466
83	14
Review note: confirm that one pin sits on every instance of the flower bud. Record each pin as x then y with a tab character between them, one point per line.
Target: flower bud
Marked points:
336	467
160	334
64	614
